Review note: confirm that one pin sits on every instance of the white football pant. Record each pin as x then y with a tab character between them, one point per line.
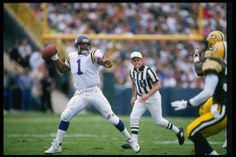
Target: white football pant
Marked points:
153	105
90	96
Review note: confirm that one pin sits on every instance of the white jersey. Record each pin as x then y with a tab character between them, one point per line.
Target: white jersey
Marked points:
84	69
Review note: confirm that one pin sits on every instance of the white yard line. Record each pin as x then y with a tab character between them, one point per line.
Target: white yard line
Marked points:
186	142
97	136
53	135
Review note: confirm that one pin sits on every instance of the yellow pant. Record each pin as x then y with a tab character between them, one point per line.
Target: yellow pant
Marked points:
209	122
206	107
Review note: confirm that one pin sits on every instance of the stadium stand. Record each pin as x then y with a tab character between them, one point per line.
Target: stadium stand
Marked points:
170	59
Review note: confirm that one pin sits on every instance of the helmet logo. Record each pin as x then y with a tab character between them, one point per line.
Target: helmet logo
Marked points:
213	36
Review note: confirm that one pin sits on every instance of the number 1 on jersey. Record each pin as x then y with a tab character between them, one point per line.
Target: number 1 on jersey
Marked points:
79	70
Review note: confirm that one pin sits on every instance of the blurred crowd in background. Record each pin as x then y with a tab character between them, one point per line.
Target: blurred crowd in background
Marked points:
171	60
34	78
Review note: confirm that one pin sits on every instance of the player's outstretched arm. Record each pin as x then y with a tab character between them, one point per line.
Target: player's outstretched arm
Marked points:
61	67
104	62
49	52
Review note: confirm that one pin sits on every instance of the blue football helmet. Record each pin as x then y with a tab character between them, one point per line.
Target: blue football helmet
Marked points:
83	44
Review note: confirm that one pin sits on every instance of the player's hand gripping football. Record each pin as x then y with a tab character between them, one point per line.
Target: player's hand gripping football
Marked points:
107	63
50	52
179	104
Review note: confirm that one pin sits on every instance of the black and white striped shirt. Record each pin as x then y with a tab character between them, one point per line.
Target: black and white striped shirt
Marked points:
143	79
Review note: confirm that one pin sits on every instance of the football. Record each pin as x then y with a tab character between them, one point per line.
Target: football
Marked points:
49	51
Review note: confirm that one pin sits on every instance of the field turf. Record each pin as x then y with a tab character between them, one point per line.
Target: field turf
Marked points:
31	133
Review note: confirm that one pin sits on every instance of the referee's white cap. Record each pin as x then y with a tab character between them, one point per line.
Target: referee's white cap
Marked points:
136	54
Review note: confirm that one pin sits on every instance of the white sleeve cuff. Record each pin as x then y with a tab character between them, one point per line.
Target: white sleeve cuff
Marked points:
55	57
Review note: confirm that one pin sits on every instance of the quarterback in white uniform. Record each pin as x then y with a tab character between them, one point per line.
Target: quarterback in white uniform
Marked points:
84	66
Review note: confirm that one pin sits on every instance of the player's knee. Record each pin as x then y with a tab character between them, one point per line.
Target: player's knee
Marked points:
114	119
133	117
161	122
65	117
134	120
195	136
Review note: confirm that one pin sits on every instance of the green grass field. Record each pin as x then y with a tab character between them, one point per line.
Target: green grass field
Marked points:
31	133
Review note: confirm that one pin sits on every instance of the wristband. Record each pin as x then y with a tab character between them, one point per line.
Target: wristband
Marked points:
189	105
55	57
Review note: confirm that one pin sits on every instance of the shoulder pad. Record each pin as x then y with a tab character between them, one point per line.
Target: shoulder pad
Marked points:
213	64
93	55
219	50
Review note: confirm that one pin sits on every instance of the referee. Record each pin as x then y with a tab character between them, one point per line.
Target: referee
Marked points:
146	96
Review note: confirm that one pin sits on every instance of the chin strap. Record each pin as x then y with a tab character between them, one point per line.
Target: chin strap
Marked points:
84	52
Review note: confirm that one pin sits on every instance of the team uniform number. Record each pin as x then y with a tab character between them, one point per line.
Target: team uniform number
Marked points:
79	67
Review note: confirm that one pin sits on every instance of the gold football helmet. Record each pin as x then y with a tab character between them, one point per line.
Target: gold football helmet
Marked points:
213	37
218	50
